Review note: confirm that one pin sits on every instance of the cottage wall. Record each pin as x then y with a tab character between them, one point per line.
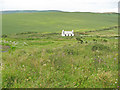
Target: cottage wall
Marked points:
67	33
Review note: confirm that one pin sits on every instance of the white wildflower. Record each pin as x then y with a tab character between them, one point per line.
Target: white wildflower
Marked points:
44	64
25	43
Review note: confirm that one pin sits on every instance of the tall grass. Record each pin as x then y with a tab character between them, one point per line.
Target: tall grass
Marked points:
67	63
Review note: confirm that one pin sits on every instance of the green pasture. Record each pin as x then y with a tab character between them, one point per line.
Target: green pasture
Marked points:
56	21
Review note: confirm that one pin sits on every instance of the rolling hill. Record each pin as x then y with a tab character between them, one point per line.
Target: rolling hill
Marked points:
56	21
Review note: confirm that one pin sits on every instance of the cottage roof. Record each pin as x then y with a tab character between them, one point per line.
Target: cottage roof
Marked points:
68	32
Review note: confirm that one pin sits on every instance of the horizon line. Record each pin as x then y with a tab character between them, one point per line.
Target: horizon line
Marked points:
58	10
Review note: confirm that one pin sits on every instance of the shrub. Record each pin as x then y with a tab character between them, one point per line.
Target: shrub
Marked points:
100	47
105	40
4	35
78	38
95	40
86	42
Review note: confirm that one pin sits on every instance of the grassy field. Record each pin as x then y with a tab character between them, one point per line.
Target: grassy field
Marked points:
36	55
56	21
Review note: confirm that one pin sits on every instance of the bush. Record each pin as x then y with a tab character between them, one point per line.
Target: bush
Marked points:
105	40
100	47
95	40
86	42
4	36
78	38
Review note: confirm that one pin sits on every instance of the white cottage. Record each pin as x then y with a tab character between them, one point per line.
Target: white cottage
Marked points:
67	33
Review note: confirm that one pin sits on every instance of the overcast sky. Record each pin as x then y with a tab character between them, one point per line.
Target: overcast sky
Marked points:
64	5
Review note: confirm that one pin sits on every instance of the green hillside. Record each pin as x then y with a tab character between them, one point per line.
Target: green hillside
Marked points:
56	21
36	59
